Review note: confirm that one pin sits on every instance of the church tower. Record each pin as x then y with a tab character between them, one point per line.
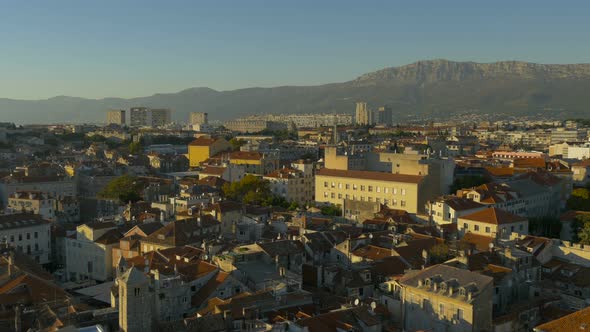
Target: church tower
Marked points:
135	301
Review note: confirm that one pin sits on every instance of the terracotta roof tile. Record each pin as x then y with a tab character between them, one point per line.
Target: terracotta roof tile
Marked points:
494	216
578	321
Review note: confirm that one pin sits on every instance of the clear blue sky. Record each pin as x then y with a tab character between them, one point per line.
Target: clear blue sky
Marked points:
100	48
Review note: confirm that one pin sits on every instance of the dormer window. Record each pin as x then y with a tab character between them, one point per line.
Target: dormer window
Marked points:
462	291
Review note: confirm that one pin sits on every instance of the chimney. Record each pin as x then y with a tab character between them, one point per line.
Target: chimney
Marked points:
11	268
17	318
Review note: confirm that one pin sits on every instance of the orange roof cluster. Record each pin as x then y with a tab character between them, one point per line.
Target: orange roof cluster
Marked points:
373	252
203	141
246	155
494	216
577	321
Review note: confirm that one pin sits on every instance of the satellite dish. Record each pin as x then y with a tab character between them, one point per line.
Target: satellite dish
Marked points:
373	305
356	302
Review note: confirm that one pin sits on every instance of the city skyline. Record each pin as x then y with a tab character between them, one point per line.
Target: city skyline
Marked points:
127	50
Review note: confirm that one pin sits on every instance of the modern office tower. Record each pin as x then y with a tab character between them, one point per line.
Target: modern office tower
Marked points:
147	117
116	117
384	116
140	116
363	115
161	116
199	118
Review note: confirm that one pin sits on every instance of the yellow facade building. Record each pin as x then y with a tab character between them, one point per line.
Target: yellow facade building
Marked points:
445	298
398	191
493	222
204	148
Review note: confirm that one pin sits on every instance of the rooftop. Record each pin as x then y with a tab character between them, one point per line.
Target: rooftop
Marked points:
369	175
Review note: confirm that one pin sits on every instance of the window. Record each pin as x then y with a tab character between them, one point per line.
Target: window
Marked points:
425	304
332	195
28	236
362	188
386	190
487	229
402	203
394	202
347	186
520	227
403	191
354	186
136	291
441	309
370	188
339	196
394	190
326	194
325	184
333	185
378	189
339	185
476	228
459	314
36	235
20	237
12	238
465	226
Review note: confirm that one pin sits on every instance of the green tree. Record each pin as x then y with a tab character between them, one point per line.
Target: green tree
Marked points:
293	206
584	234
236	144
579	200
439	253
124	188
580	229
468	181
331	210
135	148
250	189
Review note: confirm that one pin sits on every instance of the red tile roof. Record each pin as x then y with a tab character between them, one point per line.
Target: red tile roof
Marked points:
578	321
203	141
248	155
494	216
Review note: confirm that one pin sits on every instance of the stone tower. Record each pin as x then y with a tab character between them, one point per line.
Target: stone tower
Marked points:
135	301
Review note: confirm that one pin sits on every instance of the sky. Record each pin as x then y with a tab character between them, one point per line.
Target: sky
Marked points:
119	48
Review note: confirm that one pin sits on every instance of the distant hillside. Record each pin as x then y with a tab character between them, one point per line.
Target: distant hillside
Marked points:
433	87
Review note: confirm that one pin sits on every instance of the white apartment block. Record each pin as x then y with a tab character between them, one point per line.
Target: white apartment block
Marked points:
51	185
32	202
28	233
89	254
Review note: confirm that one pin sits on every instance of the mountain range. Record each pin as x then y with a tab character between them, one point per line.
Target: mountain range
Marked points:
435	88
